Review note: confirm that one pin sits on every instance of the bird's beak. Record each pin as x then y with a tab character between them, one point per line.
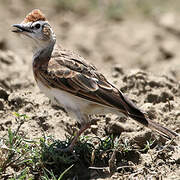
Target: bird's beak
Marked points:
20	28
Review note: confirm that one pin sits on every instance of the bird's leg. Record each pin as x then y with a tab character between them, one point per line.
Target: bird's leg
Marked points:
82	129
84	121
71	146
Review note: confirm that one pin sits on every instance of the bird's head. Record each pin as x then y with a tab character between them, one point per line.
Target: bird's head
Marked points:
36	27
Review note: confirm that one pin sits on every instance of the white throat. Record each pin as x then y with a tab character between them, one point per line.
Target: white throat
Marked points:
43	50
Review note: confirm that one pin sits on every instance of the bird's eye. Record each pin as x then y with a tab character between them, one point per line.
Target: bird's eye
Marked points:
37	26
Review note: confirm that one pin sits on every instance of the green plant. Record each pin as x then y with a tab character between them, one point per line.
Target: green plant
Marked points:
45	159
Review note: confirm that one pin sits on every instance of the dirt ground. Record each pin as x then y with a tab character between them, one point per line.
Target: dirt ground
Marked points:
140	56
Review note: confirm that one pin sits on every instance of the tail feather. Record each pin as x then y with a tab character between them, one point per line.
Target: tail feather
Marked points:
165	132
139	116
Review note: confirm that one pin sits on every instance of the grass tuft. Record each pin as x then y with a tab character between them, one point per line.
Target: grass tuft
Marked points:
45	159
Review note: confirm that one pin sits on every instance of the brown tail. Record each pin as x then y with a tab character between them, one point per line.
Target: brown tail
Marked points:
167	133
162	130
139	116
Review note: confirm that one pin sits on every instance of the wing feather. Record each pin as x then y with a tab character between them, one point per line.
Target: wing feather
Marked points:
69	72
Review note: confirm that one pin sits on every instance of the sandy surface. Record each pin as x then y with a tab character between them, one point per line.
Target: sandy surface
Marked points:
140	56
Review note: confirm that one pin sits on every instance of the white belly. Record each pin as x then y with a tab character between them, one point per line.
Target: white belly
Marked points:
73	104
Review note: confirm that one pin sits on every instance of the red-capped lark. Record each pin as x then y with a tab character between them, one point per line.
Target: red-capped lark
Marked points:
70	81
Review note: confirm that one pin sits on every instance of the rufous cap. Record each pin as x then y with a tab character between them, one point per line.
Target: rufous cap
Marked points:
34	15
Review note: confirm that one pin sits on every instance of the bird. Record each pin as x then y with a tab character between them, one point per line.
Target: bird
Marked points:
73	83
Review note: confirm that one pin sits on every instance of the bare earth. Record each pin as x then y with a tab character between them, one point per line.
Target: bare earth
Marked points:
140	56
